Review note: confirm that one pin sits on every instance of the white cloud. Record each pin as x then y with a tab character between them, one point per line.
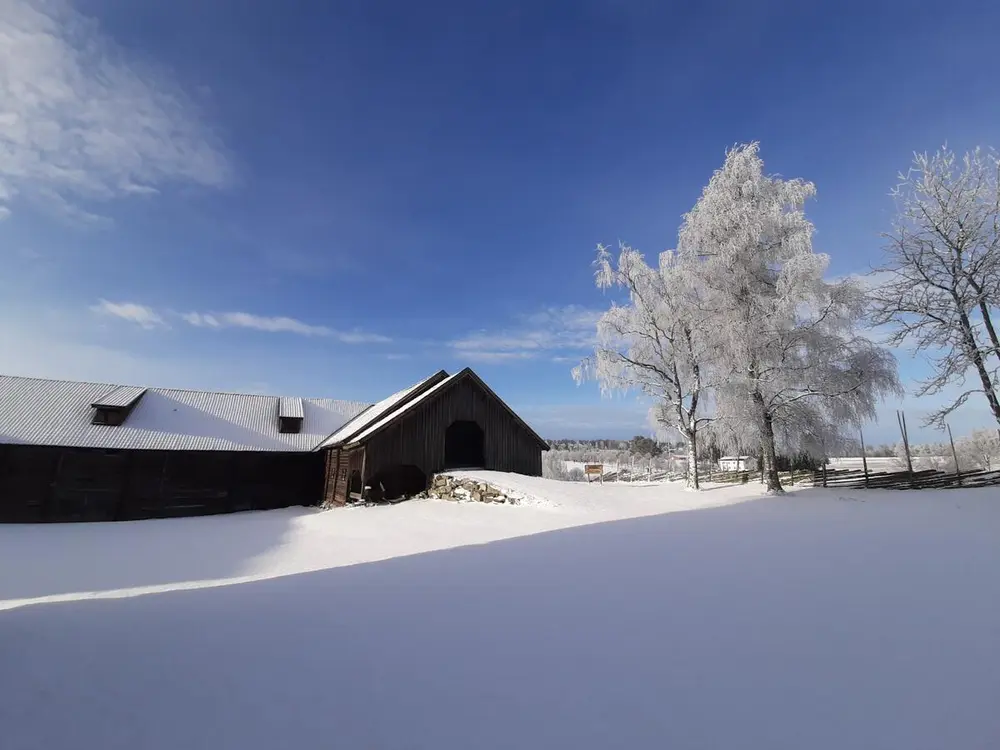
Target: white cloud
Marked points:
143	316
480	355
279	324
360	337
79	121
147	317
4	212
554	329
201	320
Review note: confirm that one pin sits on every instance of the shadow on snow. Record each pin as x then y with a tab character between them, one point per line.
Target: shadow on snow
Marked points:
783	623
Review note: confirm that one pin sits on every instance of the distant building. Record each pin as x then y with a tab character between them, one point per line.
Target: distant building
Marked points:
734	463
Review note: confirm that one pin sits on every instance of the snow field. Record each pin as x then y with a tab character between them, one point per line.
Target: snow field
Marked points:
821	620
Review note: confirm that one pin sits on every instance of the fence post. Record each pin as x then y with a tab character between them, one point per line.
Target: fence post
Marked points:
864	458
954	455
901	418
824	462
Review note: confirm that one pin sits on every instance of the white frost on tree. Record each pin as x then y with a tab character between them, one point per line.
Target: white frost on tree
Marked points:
792	369
940	280
979	450
652	343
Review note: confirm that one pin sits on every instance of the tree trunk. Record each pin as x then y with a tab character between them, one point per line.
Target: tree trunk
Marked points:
692	472
984	310
978	363
769	452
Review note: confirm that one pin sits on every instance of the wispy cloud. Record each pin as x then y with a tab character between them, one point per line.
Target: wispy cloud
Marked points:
360	337
141	315
148	317
279	324
80	121
552	332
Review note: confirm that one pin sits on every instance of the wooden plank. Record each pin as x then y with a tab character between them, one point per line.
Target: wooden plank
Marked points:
418	437
97	485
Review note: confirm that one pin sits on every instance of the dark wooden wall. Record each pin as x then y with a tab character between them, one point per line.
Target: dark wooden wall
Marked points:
43	483
418	437
337	475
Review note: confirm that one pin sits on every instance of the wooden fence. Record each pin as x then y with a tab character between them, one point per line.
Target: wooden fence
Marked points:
903	480
875	480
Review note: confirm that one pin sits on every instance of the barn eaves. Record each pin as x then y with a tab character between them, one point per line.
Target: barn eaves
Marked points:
113	408
290	415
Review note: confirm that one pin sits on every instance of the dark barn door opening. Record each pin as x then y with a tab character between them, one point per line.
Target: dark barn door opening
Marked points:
463	446
398	483
355	487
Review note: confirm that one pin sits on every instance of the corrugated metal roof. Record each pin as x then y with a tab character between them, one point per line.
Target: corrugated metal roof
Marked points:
291	408
372	414
121	396
54	412
405	408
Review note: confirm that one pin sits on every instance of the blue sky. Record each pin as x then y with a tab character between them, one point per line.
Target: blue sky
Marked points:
335	199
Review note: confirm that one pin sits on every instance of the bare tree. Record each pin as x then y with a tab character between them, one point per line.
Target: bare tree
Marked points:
939	284
652	343
796	372
979	450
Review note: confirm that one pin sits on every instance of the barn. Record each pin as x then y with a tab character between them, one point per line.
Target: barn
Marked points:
72	451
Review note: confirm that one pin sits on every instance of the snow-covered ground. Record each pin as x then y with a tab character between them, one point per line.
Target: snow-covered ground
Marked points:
70	561
821	620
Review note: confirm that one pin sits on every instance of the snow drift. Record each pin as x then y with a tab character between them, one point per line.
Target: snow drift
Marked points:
813	621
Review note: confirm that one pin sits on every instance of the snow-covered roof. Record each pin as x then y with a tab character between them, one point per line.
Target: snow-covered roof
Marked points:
291	408
396	413
57	412
445	381
376	412
120	396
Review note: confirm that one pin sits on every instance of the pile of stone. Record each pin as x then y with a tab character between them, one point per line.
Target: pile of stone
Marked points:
446	487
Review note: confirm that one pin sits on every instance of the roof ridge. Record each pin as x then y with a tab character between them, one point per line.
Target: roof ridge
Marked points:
179	390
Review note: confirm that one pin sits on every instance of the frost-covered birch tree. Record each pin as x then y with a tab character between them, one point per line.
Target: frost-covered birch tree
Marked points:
652	343
939	285
792	370
979	450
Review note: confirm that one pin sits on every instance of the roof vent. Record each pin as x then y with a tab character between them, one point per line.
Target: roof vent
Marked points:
290	415
113	408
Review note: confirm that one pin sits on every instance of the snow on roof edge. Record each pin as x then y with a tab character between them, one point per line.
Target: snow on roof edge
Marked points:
376	412
386	418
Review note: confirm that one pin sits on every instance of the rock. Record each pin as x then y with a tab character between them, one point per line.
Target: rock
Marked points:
446	487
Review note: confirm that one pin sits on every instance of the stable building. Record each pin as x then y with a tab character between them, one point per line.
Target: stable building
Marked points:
74	451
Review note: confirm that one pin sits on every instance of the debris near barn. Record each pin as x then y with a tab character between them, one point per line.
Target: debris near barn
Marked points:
447	487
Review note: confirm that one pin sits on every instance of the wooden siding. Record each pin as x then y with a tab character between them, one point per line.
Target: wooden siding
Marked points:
418	438
337	475
44	483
